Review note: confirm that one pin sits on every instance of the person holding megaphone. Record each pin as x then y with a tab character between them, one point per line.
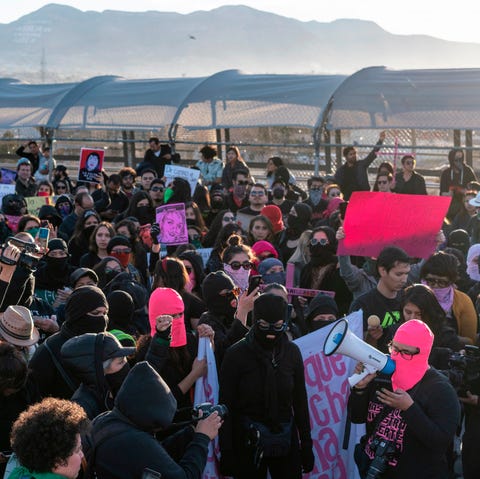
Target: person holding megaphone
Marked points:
410	420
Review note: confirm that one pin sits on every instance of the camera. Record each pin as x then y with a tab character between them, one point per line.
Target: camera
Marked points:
465	371
207	409
384	452
27	257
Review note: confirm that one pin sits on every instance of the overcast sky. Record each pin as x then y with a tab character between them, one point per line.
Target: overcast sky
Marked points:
448	20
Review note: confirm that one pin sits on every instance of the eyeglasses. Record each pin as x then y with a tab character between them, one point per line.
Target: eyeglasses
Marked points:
321	241
157	188
439	282
242	183
229	218
60	187
382	182
236	265
232	292
257	193
408	356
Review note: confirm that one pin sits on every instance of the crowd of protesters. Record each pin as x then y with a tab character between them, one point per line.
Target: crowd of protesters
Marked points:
99	327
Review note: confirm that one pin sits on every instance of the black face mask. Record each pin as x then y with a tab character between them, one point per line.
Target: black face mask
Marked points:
222	305
261	336
217	203
88	324
87	232
278	193
316	325
110	275
144	214
115	380
56	265
321	255
295	223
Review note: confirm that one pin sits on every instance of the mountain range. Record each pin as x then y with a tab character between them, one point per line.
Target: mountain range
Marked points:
61	43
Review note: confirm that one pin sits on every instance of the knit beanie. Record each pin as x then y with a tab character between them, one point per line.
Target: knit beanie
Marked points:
267	263
57	244
212	285
274	214
120	309
82	301
263	246
168	301
304	213
321	304
116	241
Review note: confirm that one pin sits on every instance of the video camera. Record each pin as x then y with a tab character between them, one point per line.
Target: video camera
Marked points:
466	369
384	453
207	409
27	257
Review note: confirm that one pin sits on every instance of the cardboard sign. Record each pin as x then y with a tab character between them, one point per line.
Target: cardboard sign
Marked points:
91	164
34	203
374	220
6	190
173	224
173	171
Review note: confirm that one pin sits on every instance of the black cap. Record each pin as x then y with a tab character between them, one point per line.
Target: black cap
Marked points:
81	273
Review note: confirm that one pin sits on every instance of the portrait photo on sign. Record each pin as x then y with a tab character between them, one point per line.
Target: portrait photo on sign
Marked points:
173	224
91	164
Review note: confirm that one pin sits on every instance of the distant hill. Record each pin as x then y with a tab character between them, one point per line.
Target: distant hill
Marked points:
60	43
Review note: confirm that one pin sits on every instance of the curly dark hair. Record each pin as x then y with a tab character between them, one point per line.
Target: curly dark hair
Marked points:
45	435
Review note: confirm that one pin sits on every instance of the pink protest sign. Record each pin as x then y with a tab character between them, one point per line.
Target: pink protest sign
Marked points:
173	224
374	220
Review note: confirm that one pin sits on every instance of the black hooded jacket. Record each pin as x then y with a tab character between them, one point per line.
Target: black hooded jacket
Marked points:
123	439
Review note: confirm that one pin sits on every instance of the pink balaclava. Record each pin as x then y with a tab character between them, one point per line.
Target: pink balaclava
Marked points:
409	372
168	301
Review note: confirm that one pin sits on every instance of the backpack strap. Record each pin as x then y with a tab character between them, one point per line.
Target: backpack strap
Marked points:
60	368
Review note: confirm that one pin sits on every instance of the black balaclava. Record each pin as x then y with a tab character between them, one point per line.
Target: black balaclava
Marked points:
322	255
81	302
321	304
57	266
459	239
298	224
217	304
120	310
271	308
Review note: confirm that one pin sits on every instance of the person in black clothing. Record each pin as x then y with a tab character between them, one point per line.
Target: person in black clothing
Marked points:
33	155
279	190
315	200
237	198
128	432
83	202
393	266
353	174
458	175
112	198
157	156
220	296
322	271
418	416
17	392
263	385
85	312
408	181
98	362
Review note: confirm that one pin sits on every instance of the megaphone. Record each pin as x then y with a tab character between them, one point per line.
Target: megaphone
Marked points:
341	340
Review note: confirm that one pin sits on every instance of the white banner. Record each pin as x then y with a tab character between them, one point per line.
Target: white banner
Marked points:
206	390
327	391
191	175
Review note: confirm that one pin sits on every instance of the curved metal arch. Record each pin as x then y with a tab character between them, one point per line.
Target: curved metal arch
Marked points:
72	97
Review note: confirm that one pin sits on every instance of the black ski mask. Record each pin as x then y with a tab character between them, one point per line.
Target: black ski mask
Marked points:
269	308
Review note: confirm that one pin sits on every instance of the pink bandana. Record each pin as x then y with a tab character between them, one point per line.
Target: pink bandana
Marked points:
409	372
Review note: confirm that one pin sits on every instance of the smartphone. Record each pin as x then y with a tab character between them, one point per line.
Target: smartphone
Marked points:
43	236
254	282
342	207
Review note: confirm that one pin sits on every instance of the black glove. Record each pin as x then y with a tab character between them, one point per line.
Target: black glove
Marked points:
308	459
227	463
154	232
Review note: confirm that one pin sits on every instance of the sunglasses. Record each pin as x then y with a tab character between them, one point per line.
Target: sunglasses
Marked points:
229	218
334	194
439	282
157	188
230	292
321	241
242	183
383	182
59	187
257	193
236	265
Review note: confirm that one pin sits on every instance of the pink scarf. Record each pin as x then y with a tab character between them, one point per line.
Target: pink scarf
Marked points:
444	296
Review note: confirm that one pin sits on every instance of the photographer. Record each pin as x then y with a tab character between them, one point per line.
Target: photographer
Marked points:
411	425
8	264
123	441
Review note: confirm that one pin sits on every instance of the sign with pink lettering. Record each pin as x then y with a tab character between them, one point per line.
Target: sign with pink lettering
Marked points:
326	380
374	220
173	224
206	390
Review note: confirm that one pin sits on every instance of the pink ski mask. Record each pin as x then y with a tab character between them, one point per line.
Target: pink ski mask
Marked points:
168	301
409	372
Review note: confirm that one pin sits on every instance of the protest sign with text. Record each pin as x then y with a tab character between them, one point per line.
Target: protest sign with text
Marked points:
173	224
188	174
91	164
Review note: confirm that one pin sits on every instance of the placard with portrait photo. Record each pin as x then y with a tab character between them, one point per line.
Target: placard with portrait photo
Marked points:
91	164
